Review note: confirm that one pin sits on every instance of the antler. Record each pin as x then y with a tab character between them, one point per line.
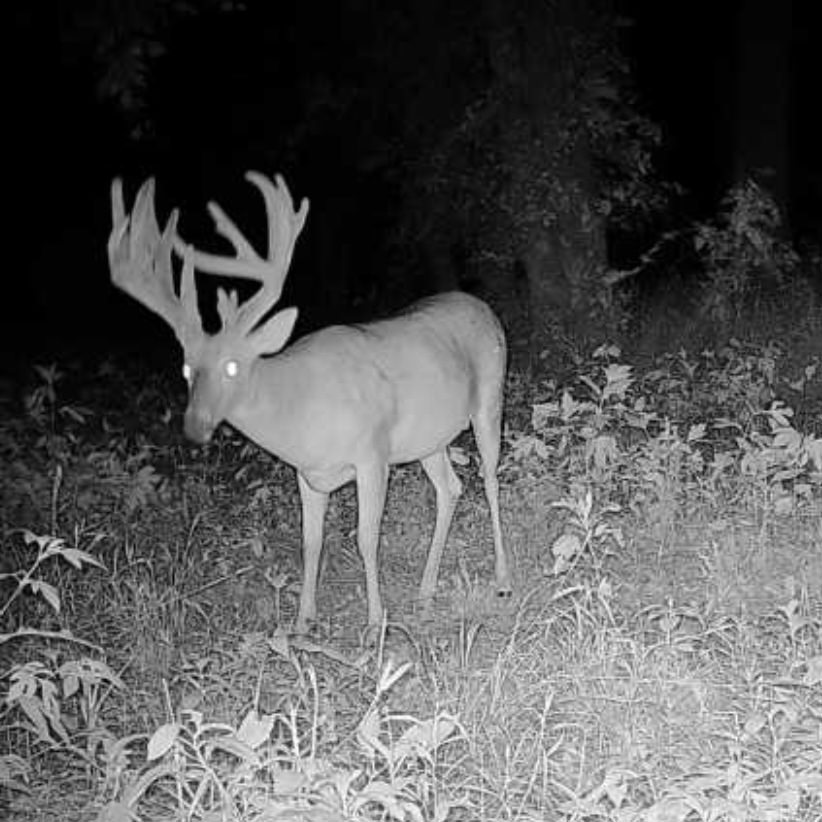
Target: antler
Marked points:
284	227
140	261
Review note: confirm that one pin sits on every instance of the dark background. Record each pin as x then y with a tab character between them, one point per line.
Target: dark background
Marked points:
326	94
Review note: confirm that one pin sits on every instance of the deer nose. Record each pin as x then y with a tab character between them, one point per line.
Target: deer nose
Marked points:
198	426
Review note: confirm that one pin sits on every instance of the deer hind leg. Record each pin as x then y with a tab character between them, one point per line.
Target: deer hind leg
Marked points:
314	504
487	431
448	488
372	483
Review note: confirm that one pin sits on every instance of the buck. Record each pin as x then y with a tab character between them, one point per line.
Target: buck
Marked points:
344	403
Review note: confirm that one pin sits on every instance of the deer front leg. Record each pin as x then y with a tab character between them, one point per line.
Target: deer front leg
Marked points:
372	483
314	504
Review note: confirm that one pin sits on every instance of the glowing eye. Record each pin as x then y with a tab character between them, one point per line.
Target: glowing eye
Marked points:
186	372
231	368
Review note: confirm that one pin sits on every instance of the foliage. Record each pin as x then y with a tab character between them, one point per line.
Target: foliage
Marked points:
26	581
588	532
54	459
55	469
547	150
49	704
705	282
689	434
45	411
743	251
679	731
125	39
271	765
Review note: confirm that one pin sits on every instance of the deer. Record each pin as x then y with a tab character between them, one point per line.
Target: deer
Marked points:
341	404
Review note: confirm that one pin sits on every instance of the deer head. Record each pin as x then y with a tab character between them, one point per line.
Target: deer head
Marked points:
218	367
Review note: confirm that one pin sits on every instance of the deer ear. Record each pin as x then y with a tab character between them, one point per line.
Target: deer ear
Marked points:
273	334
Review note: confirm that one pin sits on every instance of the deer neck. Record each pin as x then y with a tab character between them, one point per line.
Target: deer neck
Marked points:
272	409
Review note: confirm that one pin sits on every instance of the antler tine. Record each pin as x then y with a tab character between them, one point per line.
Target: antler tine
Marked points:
140	261
284	227
246	262
284	224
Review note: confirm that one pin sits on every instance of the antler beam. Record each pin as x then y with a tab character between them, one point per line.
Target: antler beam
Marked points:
140	261
284	227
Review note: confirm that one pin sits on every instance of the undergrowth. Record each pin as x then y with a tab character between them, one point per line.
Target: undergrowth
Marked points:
662	659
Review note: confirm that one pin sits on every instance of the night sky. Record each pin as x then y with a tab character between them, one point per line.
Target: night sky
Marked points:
319	92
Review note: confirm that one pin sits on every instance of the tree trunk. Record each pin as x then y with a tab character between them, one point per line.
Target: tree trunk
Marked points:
559	241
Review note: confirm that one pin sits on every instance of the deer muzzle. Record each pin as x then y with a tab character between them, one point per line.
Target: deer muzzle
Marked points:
198	425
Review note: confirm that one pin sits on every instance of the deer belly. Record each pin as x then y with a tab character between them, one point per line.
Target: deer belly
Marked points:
424	435
327	480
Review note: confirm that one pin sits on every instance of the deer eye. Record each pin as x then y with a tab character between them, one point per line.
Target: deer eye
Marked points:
186	372
231	368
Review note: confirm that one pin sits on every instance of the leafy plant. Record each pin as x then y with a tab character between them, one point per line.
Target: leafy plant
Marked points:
51	703
270	765
581	437
742	251
587	530
28	581
778	463
47	412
